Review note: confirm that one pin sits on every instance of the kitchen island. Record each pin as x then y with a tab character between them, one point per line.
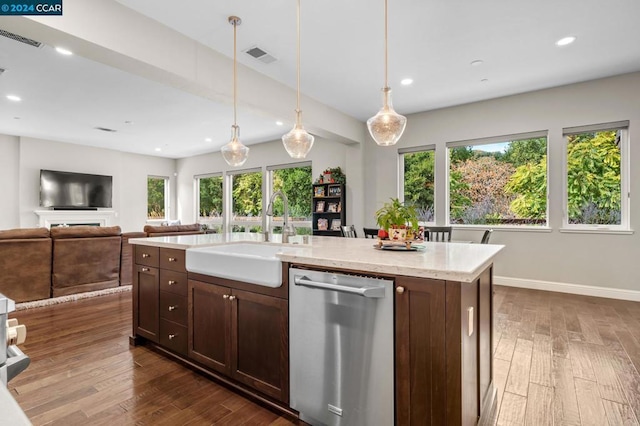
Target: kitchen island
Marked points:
238	332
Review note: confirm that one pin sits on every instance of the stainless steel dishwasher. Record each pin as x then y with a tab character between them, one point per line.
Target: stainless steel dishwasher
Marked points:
341	348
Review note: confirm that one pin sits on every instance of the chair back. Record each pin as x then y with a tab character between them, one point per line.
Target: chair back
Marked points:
486	236
438	233
348	231
370	232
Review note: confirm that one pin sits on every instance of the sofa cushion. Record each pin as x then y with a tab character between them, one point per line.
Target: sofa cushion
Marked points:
85	232
150	229
19	234
25	267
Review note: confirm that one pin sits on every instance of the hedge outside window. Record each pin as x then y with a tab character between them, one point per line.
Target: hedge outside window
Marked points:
296	181
157	197
418	180
210	201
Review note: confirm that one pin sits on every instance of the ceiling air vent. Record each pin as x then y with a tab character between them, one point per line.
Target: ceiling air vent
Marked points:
105	129
2	70
19	38
260	54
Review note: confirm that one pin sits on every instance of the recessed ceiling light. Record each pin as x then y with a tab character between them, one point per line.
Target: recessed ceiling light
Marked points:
16	118
128	122
484	80
477	62
158	149
565	41
208	140
14	98
279	123
63	51
406	81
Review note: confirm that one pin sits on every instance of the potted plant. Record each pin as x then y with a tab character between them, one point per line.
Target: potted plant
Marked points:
332	175
398	219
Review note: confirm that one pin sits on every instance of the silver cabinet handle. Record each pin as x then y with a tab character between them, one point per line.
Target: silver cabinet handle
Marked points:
145	255
373	292
172	336
172	259
172	308
400	290
225	296
232	298
172	282
145	269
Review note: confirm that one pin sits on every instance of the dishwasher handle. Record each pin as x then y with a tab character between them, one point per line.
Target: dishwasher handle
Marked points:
371	292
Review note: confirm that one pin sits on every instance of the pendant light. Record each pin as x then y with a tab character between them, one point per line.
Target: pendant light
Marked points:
298	141
235	153
387	126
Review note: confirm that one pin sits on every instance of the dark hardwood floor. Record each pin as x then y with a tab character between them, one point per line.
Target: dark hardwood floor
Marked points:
559	359
83	372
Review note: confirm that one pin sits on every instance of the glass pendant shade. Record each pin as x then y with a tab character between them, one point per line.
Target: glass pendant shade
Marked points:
387	126
235	153
298	141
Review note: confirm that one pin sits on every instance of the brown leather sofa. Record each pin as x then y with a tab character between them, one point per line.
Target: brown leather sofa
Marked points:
36	263
25	264
85	258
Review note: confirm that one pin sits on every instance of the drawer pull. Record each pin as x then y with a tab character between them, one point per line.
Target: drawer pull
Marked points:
172	308
145	269
172	282
400	290
171	336
232	298
225	296
172	259
145	255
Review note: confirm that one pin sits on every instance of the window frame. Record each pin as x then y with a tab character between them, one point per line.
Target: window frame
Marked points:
270	223
196	189
489	141
412	150
167	203
625	191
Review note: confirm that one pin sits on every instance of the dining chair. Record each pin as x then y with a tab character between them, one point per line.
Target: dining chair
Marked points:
486	236
370	232
348	231
438	233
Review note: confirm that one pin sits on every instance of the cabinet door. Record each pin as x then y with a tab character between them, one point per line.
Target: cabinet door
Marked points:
209	325
260	336
420	352
147	301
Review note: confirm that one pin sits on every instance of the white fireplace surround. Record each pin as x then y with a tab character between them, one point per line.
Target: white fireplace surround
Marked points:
47	218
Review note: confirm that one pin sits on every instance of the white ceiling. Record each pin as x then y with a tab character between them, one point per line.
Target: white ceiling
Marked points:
64	98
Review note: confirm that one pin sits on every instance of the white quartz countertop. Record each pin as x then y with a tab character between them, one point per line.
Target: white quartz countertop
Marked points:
448	261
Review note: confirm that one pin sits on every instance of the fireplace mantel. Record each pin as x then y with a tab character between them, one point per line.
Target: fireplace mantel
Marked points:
75	217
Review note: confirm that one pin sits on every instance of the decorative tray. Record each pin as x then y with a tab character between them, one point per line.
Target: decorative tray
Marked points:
398	246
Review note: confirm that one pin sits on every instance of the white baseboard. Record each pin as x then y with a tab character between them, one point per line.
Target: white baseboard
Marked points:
585	290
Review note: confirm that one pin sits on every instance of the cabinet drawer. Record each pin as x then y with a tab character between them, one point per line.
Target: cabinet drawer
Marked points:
173	307
173	336
149	256
173	282
172	259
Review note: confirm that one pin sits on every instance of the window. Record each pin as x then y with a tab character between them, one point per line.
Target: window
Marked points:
296	182
596	186
246	201
499	181
157	197
417	168
210	197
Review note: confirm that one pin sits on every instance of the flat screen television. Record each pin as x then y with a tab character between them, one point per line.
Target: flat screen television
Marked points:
67	190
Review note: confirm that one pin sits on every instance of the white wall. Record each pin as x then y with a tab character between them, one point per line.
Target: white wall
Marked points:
603	260
129	173
325	153
9	172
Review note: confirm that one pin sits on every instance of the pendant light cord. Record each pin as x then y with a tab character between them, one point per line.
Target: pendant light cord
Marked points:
235	84
386	42
298	64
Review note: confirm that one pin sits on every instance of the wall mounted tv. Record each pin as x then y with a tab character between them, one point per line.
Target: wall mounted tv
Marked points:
67	190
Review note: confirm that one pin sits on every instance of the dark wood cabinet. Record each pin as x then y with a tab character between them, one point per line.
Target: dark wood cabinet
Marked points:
241	334
420	352
443	351
146	301
329	208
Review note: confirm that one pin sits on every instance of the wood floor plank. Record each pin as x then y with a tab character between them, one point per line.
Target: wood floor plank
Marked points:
606	377
501	371
518	379
539	410
541	361
580	361
590	404
512	411
565	400
619	414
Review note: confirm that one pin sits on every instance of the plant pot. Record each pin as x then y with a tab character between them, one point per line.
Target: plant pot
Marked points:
397	234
